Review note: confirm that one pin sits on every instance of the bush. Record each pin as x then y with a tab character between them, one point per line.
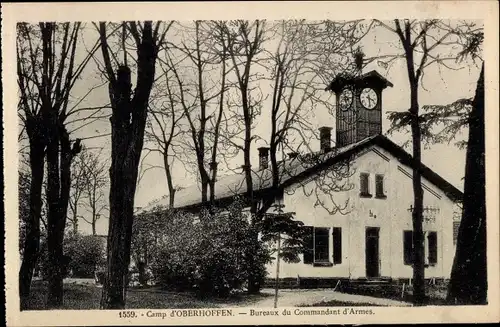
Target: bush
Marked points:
85	253
208	255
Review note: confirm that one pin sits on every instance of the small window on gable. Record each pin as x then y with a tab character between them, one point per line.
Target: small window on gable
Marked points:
379	186
364	183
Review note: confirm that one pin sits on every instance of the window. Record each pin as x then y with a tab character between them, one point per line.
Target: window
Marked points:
456	226
407	247
317	246
337	245
432	253
379	186
430	250
364	184
321	248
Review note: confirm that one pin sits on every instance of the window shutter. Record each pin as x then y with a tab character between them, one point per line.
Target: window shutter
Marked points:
309	245
379	185
337	245
364	183
456	226
407	247
432	240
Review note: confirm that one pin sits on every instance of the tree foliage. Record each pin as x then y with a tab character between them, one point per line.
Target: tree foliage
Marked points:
206	255
85	253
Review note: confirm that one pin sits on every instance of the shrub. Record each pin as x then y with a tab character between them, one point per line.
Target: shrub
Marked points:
85	253
206	255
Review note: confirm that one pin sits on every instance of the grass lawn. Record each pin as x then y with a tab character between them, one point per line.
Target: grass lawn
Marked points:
87	297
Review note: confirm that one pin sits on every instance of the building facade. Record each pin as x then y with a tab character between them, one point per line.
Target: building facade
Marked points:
372	236
364	228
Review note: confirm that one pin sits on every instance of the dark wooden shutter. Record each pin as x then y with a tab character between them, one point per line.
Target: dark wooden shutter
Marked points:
379	185
337	245
407	247
364	183
309	245
456	226
432	240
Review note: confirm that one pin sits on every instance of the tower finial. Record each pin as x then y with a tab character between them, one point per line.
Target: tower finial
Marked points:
359	56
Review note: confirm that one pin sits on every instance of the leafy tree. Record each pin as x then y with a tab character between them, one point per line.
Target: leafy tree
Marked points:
285	238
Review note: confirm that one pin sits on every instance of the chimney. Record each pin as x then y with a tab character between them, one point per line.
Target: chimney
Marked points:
293	155
325	135
263	157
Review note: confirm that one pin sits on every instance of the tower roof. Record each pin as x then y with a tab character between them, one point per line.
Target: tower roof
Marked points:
372	78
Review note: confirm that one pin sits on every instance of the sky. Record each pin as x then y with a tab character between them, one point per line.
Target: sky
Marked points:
440	87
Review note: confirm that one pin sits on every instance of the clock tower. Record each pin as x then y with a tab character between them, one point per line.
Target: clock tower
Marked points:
358	106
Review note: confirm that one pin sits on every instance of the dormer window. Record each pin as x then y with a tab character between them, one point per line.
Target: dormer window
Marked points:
364	183
379	187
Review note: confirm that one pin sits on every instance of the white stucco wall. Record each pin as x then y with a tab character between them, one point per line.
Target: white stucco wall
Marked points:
391	215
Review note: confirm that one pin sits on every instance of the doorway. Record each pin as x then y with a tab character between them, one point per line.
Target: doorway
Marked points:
372	257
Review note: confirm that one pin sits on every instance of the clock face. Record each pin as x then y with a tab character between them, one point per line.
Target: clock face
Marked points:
369	98
345	99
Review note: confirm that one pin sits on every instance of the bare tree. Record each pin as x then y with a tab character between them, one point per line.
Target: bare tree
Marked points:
96	179
423	43
195	90
47	72
128	122
163	127
308	56
245	40
78	183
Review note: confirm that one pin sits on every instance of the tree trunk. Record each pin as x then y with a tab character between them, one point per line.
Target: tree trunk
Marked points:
418	194
75	223
59	185
170	182
418	204
32	238
94	220
468	282
253	278
55	291
128	122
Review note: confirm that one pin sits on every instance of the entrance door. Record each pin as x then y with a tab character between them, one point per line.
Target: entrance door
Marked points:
372	252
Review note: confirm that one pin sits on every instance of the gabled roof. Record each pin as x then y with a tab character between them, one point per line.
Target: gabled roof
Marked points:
295	170
371	78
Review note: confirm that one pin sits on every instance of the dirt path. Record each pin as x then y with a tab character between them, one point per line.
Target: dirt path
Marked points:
294	298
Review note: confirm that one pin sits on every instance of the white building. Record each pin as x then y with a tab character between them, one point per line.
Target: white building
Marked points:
372	237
